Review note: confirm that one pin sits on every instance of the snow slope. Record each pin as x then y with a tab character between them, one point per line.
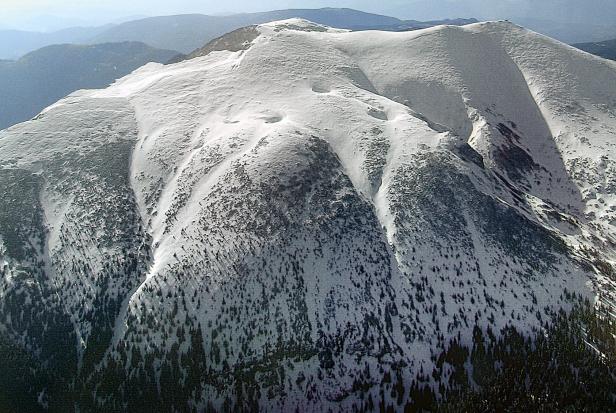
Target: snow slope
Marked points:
297	217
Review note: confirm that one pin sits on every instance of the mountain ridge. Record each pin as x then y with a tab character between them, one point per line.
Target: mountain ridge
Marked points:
16	43
188	32
214	26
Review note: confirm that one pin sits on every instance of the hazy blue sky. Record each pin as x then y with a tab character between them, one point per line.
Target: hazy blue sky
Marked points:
33	12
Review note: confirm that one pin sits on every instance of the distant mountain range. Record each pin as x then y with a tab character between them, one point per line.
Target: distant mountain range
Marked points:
605	49
42	77
16	43
188	32
567	32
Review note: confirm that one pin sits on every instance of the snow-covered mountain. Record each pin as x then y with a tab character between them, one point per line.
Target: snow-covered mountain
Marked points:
284	224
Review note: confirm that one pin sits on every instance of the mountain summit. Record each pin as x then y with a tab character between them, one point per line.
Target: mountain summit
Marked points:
308	221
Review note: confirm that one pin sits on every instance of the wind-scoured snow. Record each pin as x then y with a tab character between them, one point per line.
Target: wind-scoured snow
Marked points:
323	201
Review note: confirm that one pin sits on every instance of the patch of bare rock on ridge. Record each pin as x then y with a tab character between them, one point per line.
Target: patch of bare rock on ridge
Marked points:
235	41
320	88
377	114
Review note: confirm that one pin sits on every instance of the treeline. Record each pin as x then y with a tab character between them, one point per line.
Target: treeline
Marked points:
569	365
